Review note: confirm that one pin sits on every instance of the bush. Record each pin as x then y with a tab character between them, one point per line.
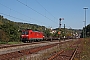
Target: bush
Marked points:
3	36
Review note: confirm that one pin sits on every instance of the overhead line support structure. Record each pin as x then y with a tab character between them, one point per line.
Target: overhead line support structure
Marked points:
85	21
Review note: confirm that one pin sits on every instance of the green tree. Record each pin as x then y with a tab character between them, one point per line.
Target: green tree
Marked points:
47	33
87	31
11	30
3	36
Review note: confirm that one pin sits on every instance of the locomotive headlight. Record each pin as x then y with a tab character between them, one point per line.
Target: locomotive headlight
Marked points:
26	35
22	35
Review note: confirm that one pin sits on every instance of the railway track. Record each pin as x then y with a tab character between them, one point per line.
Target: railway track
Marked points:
67	54
16	54
15	45
19	53
64	55
22	44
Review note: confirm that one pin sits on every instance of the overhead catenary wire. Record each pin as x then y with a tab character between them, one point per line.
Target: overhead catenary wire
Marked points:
35	11
12	16
13	10
18	13
45	9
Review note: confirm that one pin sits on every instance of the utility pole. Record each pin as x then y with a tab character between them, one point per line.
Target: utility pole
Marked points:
85	21
83	31
59	32
64	31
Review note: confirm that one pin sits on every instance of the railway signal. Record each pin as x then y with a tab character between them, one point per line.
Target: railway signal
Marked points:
60	27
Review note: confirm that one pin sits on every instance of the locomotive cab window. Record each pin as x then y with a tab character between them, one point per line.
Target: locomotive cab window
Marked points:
25	33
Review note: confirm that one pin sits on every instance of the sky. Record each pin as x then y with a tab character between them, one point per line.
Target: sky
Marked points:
47	12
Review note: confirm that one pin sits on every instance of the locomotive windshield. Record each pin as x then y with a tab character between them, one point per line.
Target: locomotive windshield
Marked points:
25	32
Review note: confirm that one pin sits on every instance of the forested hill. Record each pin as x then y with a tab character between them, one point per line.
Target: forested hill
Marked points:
10	31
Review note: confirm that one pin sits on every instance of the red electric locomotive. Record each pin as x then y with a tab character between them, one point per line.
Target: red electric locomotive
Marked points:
29	36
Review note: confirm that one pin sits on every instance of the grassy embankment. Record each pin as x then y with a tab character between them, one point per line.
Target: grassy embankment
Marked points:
85	54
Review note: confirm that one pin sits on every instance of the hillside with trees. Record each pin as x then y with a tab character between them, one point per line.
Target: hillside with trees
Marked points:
10	31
